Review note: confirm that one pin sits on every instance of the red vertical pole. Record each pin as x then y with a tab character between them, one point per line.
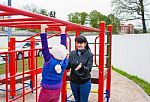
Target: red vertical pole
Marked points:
32	62
101	62
77	34
12	69
64	91
108	83
23	75
6	81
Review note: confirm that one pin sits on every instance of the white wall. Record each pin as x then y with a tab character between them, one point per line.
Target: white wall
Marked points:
131	53
4	41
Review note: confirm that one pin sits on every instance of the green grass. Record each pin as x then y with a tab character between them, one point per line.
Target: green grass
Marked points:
142	83
20	64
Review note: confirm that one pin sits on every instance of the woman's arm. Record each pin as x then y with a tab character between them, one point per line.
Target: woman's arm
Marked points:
69	64
89	64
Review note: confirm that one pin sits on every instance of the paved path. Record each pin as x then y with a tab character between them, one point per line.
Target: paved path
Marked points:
124	90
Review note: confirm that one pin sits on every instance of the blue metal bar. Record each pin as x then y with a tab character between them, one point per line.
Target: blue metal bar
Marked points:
9	29
107	95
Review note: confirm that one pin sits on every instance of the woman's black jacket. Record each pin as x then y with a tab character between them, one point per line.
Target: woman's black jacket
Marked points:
82	75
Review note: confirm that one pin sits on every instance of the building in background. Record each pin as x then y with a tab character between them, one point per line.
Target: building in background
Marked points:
126	29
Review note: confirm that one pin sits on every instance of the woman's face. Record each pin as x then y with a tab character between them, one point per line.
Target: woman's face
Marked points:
80	46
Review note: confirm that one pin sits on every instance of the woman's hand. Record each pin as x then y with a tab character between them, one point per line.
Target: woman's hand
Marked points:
78	67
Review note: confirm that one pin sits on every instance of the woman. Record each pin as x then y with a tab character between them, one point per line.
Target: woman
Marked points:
80	62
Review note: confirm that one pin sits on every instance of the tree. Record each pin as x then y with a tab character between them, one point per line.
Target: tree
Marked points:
31	8
43	12
74	17
131	10
77	17
93	19
83	17
115	23
36	9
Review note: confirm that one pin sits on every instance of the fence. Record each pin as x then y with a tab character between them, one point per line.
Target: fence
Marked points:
131	53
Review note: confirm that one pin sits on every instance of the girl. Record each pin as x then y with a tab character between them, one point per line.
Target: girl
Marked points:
54	65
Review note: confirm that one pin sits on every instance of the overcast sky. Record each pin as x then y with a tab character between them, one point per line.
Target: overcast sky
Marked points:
64	7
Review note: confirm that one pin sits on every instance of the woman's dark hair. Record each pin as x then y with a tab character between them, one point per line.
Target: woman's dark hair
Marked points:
82	39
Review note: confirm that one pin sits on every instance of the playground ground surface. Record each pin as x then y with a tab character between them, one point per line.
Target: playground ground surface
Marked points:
123	90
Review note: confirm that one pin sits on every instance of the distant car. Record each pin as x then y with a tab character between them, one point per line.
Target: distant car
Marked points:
23	46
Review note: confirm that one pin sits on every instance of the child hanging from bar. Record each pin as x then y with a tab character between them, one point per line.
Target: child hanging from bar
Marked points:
55	62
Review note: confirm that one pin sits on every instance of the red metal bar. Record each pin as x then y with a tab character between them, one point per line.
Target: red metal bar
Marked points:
6	14
101	62
42	17
12	67
23	79
6	81
49	23
95	53
69	42
76	35
32	62
64	91
20	19
29	61
27	39
36	81
108	83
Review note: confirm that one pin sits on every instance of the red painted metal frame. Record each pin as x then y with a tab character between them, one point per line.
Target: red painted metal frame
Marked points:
13	75
95	49
108	83
12	67
32	64
29	18
32	60
33	21
6	81
101	62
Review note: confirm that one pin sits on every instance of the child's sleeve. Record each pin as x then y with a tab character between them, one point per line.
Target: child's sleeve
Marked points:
63	39
63	35
45	50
